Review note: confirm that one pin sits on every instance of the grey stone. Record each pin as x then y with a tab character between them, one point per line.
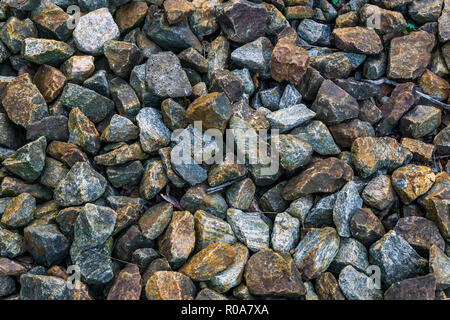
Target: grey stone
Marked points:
290	97
351	252
165	77
347	203
318	136
285	232
42	287
249	228
289	118
314	33
396	259
300	208
95	106
11	244
316	251
321	215
254	56
93	30
153	133
28	161
82	184
7	286
354	285
46	244
19	212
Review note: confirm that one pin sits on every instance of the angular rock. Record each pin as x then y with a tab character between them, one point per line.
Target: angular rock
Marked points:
316	251
249	228
285	232
409	55
23	102
46	51
347	203
82	184
155	220
46	244
153	133
289	118
288	62
177	242
420	121
268	273
357	40
42	287
412	181
371	154
122	56
419	288
19	212
82	132
78	68
354	285
440	267
333	105
28	161
50	82
379	193
93	30
318	136
322	176
127	285
196	198
396	259
169	285
242	21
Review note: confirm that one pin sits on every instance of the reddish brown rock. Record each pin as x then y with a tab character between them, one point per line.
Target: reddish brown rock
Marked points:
224	81
412	181
127	285
420	288
298	12
421	151
209	261
177	242
169	285
242	21
177	10
288	62
409	55
11	268
434	85
327	287
273	274
366	227
420	233
23	102
400	101
345	133
50	82
323	176
357	40
213	109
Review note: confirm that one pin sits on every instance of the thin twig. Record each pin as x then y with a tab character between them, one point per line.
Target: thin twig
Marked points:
423	95
224	185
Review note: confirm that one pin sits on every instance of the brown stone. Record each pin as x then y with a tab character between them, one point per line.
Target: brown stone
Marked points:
420	233
153	180
400	101
209	294
122	56
209	261
345	133
371	154
177	242
223	80
440	267
23	102
155	220
333	104
130	15
421	151
127	285
82	132
126	216
78	68
366	227
288	62
384	22
412	181
379	193
298	12
327	287
349	19
242	21
169	285
323	176
272	274
50	82
357	40
434	85
11	268
177	10
409	55
420	288
213	109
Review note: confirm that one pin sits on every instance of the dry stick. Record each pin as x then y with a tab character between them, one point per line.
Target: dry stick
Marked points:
222	186
423	95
